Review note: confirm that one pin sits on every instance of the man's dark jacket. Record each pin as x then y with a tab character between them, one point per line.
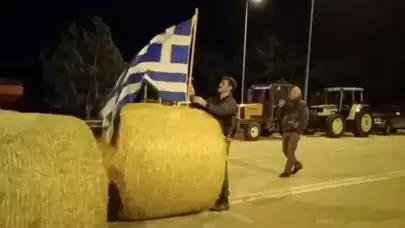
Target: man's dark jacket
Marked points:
294	116
225	111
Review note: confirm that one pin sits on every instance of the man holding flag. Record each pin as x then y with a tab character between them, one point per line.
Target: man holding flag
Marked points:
162	64
223	107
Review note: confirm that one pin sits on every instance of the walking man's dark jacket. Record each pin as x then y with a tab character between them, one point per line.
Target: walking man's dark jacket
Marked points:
294	116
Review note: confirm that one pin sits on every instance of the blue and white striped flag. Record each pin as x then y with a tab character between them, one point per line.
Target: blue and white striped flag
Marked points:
163	63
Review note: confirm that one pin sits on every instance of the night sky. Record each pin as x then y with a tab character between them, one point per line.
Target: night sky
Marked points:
364	36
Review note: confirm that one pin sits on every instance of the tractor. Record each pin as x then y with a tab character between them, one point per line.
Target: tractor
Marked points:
342	109
259	116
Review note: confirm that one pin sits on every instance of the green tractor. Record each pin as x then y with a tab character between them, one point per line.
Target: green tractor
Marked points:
342	109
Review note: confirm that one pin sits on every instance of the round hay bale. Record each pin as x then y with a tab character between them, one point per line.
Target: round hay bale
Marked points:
51	173
169	161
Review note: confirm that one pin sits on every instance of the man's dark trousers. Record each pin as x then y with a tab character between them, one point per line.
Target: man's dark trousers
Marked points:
290	144
225	185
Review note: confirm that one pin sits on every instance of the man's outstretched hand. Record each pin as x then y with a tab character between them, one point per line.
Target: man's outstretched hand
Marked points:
198	100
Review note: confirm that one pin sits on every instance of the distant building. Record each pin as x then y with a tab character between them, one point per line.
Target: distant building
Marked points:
10	91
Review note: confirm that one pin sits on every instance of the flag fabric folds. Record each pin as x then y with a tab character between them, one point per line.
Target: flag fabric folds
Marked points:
163	64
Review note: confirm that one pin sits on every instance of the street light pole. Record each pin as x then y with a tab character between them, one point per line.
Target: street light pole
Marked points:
309	51
244	54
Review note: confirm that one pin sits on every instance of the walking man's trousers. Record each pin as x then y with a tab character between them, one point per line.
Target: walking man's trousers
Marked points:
290	144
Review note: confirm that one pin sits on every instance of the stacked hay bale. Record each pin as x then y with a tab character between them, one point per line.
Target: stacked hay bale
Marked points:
51	173
169	161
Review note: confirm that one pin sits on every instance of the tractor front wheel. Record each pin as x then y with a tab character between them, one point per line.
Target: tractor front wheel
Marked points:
335	126
363	124
252	131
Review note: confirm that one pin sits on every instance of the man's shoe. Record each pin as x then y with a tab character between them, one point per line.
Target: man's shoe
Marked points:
221	205
296	169
285	175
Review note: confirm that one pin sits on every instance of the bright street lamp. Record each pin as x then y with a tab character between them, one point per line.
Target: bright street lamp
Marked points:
244	48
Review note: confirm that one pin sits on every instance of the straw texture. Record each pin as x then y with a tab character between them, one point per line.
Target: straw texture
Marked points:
169	161
51	173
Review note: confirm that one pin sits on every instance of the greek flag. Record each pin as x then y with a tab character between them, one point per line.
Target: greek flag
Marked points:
163	64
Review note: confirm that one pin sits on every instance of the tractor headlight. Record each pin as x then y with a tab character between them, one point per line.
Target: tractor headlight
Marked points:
377	120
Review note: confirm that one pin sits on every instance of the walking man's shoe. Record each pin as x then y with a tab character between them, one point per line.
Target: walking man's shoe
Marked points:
296	169
221	205
285	175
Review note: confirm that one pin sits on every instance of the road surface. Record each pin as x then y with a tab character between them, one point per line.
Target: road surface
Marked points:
347	182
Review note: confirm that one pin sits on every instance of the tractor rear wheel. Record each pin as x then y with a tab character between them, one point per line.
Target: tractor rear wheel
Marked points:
363	124
335	126
252	131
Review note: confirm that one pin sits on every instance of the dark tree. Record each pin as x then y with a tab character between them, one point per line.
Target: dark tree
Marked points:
278	60
83	68
210	66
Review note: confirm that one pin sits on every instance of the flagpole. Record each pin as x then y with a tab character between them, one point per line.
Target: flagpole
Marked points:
311	22
244	54
192	53
145	93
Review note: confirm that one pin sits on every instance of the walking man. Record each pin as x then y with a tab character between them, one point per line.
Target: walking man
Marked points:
294	116
224	108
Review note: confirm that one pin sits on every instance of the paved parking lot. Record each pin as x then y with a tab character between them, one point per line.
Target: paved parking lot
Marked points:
347	182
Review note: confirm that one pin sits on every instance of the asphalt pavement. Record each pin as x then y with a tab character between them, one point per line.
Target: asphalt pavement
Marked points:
347	182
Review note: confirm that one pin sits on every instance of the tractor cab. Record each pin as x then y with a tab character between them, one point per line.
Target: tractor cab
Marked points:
344	97
259	115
